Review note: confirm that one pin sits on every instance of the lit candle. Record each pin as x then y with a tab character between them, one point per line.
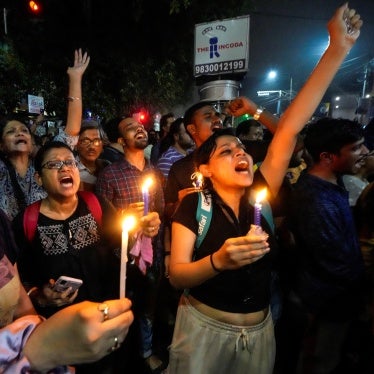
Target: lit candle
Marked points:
127	224
145	192
258	206
197	178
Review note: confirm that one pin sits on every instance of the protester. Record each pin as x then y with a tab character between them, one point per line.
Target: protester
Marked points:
78	334
226	308
122	183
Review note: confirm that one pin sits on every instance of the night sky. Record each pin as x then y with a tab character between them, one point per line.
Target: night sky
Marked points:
290	36
286	35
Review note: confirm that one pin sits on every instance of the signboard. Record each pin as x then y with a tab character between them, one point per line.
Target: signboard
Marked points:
35	103
222	47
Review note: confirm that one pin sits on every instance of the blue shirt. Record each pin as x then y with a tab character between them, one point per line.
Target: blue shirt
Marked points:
329	261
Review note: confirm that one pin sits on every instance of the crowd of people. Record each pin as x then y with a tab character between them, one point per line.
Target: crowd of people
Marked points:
216	281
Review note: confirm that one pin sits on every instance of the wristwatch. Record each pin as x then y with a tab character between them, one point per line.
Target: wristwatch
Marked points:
258	112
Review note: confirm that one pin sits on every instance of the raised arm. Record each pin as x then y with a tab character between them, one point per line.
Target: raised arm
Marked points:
243	105
303	106
75	73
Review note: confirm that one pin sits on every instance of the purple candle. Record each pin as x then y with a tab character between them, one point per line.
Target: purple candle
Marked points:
145	193
258	206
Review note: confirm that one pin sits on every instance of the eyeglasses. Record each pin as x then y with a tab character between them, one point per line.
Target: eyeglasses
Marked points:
57	164
87	142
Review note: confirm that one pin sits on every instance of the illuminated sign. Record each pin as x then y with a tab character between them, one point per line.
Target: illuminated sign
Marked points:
222	47
35	104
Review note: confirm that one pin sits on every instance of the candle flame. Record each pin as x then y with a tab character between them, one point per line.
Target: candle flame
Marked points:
198	179
147	183
128	223
261	195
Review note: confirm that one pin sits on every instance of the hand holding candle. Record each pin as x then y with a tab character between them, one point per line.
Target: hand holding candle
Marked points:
258	206
127	225
145	191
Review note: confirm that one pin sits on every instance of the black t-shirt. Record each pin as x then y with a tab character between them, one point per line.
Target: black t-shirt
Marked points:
245	290
76	247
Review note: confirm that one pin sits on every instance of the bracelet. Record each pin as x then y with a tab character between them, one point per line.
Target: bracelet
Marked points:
212	263
72	98
258	112
167	253
31	290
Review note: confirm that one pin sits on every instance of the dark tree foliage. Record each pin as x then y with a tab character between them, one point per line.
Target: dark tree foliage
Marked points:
141	51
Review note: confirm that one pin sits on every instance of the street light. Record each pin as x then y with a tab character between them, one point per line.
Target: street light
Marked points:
273	74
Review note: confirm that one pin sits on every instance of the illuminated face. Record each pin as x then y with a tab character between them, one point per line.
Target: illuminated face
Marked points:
229	165
347	161
205	121
16	138
89	146
134	135
59	182
255	133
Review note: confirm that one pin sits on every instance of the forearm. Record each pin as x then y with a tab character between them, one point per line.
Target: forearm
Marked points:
187	275
74	114
311	94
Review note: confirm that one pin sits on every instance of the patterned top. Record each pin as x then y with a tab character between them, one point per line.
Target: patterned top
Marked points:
121	183
70	247
167	159
31	190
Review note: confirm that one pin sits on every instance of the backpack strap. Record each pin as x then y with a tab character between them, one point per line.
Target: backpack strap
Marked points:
93	205
30	220
31	213
203	215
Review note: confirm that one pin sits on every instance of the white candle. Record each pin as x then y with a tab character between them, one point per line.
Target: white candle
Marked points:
145	192
127	225
258	206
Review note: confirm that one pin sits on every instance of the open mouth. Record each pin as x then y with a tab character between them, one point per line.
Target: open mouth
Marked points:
242	166
21	141
66	181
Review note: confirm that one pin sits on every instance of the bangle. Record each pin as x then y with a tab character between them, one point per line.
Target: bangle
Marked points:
212	263
72	98
167	253
258	112
31	290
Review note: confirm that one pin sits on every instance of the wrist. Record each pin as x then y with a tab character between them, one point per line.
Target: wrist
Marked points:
213	264
258	112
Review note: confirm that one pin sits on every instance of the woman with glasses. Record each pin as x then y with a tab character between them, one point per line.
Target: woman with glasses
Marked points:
76	235
16	165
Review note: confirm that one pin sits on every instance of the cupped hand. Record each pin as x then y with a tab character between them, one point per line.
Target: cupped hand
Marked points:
238	252
150	224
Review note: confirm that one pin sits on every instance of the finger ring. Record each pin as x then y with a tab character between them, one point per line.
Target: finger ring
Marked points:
104	308
115	345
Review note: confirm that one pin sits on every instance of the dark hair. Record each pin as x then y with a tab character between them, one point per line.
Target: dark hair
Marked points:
39	158
245	127
17	190
94	125
164	121
190	112
369	135
11	117
330	135
111	128
168	141
204	152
